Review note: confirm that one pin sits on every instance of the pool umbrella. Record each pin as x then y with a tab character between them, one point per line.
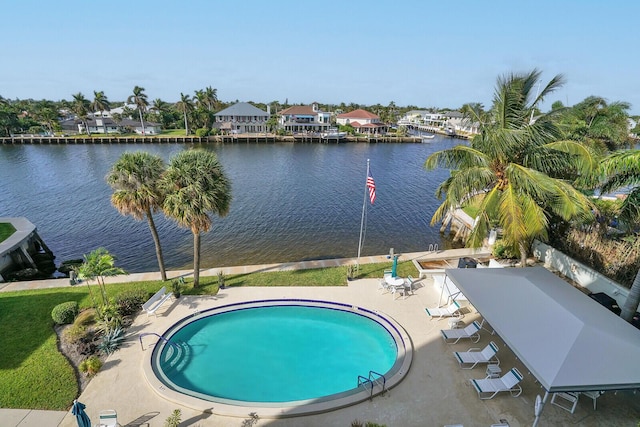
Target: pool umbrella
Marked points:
81	417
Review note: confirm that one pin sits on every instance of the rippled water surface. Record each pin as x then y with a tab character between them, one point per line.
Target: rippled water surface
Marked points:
291	202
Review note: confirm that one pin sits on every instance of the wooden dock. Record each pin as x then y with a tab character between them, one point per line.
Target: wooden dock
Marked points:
225	139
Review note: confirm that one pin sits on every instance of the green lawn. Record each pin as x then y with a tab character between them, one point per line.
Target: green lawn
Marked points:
6	230
34	375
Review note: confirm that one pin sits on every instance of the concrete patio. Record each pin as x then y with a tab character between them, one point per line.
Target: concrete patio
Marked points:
435	392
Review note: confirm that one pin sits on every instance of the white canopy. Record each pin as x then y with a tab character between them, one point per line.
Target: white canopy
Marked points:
567	340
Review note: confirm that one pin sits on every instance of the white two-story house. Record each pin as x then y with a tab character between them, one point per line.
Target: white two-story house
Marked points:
304	118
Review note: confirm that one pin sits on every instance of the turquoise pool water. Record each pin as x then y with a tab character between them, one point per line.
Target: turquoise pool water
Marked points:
275	354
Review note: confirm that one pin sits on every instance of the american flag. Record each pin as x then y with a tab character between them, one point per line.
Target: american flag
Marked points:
371	185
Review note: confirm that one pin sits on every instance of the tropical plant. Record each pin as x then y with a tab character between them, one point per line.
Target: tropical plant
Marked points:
111	340
596	121
618	170
80	106
185	106
195	185
98	265
174	419
134	178
221	279
517	166
139	98
90	365
100	103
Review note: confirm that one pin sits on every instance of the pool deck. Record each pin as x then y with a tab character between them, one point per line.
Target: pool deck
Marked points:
435	392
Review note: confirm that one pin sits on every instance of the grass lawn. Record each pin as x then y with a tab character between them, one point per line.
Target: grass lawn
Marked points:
6	230
35	375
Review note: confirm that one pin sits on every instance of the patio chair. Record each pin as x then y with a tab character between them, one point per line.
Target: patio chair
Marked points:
487	388
108	418
472	332
452	309
384	286
470	358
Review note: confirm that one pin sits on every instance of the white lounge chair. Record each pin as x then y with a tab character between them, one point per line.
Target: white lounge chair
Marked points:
472	332
452	309
470	358
108	418
487	388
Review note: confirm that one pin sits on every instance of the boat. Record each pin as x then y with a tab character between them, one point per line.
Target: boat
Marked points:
427	138
333	133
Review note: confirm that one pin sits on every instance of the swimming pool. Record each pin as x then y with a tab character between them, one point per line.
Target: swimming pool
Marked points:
279	357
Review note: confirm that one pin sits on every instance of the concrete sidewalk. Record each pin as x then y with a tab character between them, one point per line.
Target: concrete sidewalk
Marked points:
243	269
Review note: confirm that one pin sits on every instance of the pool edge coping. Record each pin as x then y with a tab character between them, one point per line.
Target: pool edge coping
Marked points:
300	408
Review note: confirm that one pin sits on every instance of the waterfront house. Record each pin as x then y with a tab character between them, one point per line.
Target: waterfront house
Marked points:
363	121
304	118
242	118
107	125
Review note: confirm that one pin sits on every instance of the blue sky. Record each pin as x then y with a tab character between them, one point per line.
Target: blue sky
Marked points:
425	53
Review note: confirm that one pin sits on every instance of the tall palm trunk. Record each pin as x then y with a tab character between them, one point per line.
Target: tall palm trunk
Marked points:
631	304
186	124
196	259
141	121
156	240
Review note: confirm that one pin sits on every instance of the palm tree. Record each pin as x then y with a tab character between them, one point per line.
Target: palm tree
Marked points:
98	265
134	179
515	166
211	97
185	106
100	103
195	186
139	98
47	114
622	169
80	106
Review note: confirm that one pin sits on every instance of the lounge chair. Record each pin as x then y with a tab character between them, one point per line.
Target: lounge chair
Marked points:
472	331
470	358
108	418
452	309
487	388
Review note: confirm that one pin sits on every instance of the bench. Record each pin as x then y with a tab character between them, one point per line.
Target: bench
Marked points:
156	301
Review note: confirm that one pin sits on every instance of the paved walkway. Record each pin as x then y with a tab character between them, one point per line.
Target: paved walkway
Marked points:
243	269
28	417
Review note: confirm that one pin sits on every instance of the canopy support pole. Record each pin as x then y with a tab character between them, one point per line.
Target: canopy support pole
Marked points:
539	407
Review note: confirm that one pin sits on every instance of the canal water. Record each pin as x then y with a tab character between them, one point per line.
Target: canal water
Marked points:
291	202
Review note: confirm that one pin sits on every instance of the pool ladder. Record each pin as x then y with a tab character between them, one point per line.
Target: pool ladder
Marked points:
373	380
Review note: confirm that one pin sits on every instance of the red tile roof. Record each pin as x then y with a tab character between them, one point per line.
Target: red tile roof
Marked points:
358	114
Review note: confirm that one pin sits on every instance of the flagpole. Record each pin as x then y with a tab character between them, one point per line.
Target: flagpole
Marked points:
364	207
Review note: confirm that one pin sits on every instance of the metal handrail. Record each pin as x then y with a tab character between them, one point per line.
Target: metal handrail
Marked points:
144	334
362	381
384	379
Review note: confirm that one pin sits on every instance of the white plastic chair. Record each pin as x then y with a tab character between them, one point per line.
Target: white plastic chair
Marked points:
472	332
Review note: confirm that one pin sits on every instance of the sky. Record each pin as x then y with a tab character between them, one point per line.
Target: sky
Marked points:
425	53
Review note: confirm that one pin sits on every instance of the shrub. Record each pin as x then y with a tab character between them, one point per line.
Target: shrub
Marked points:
130	301
174	419
202	132
75	333
221	279
86	346
111	340
90	365
64	313
85	317
502	251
